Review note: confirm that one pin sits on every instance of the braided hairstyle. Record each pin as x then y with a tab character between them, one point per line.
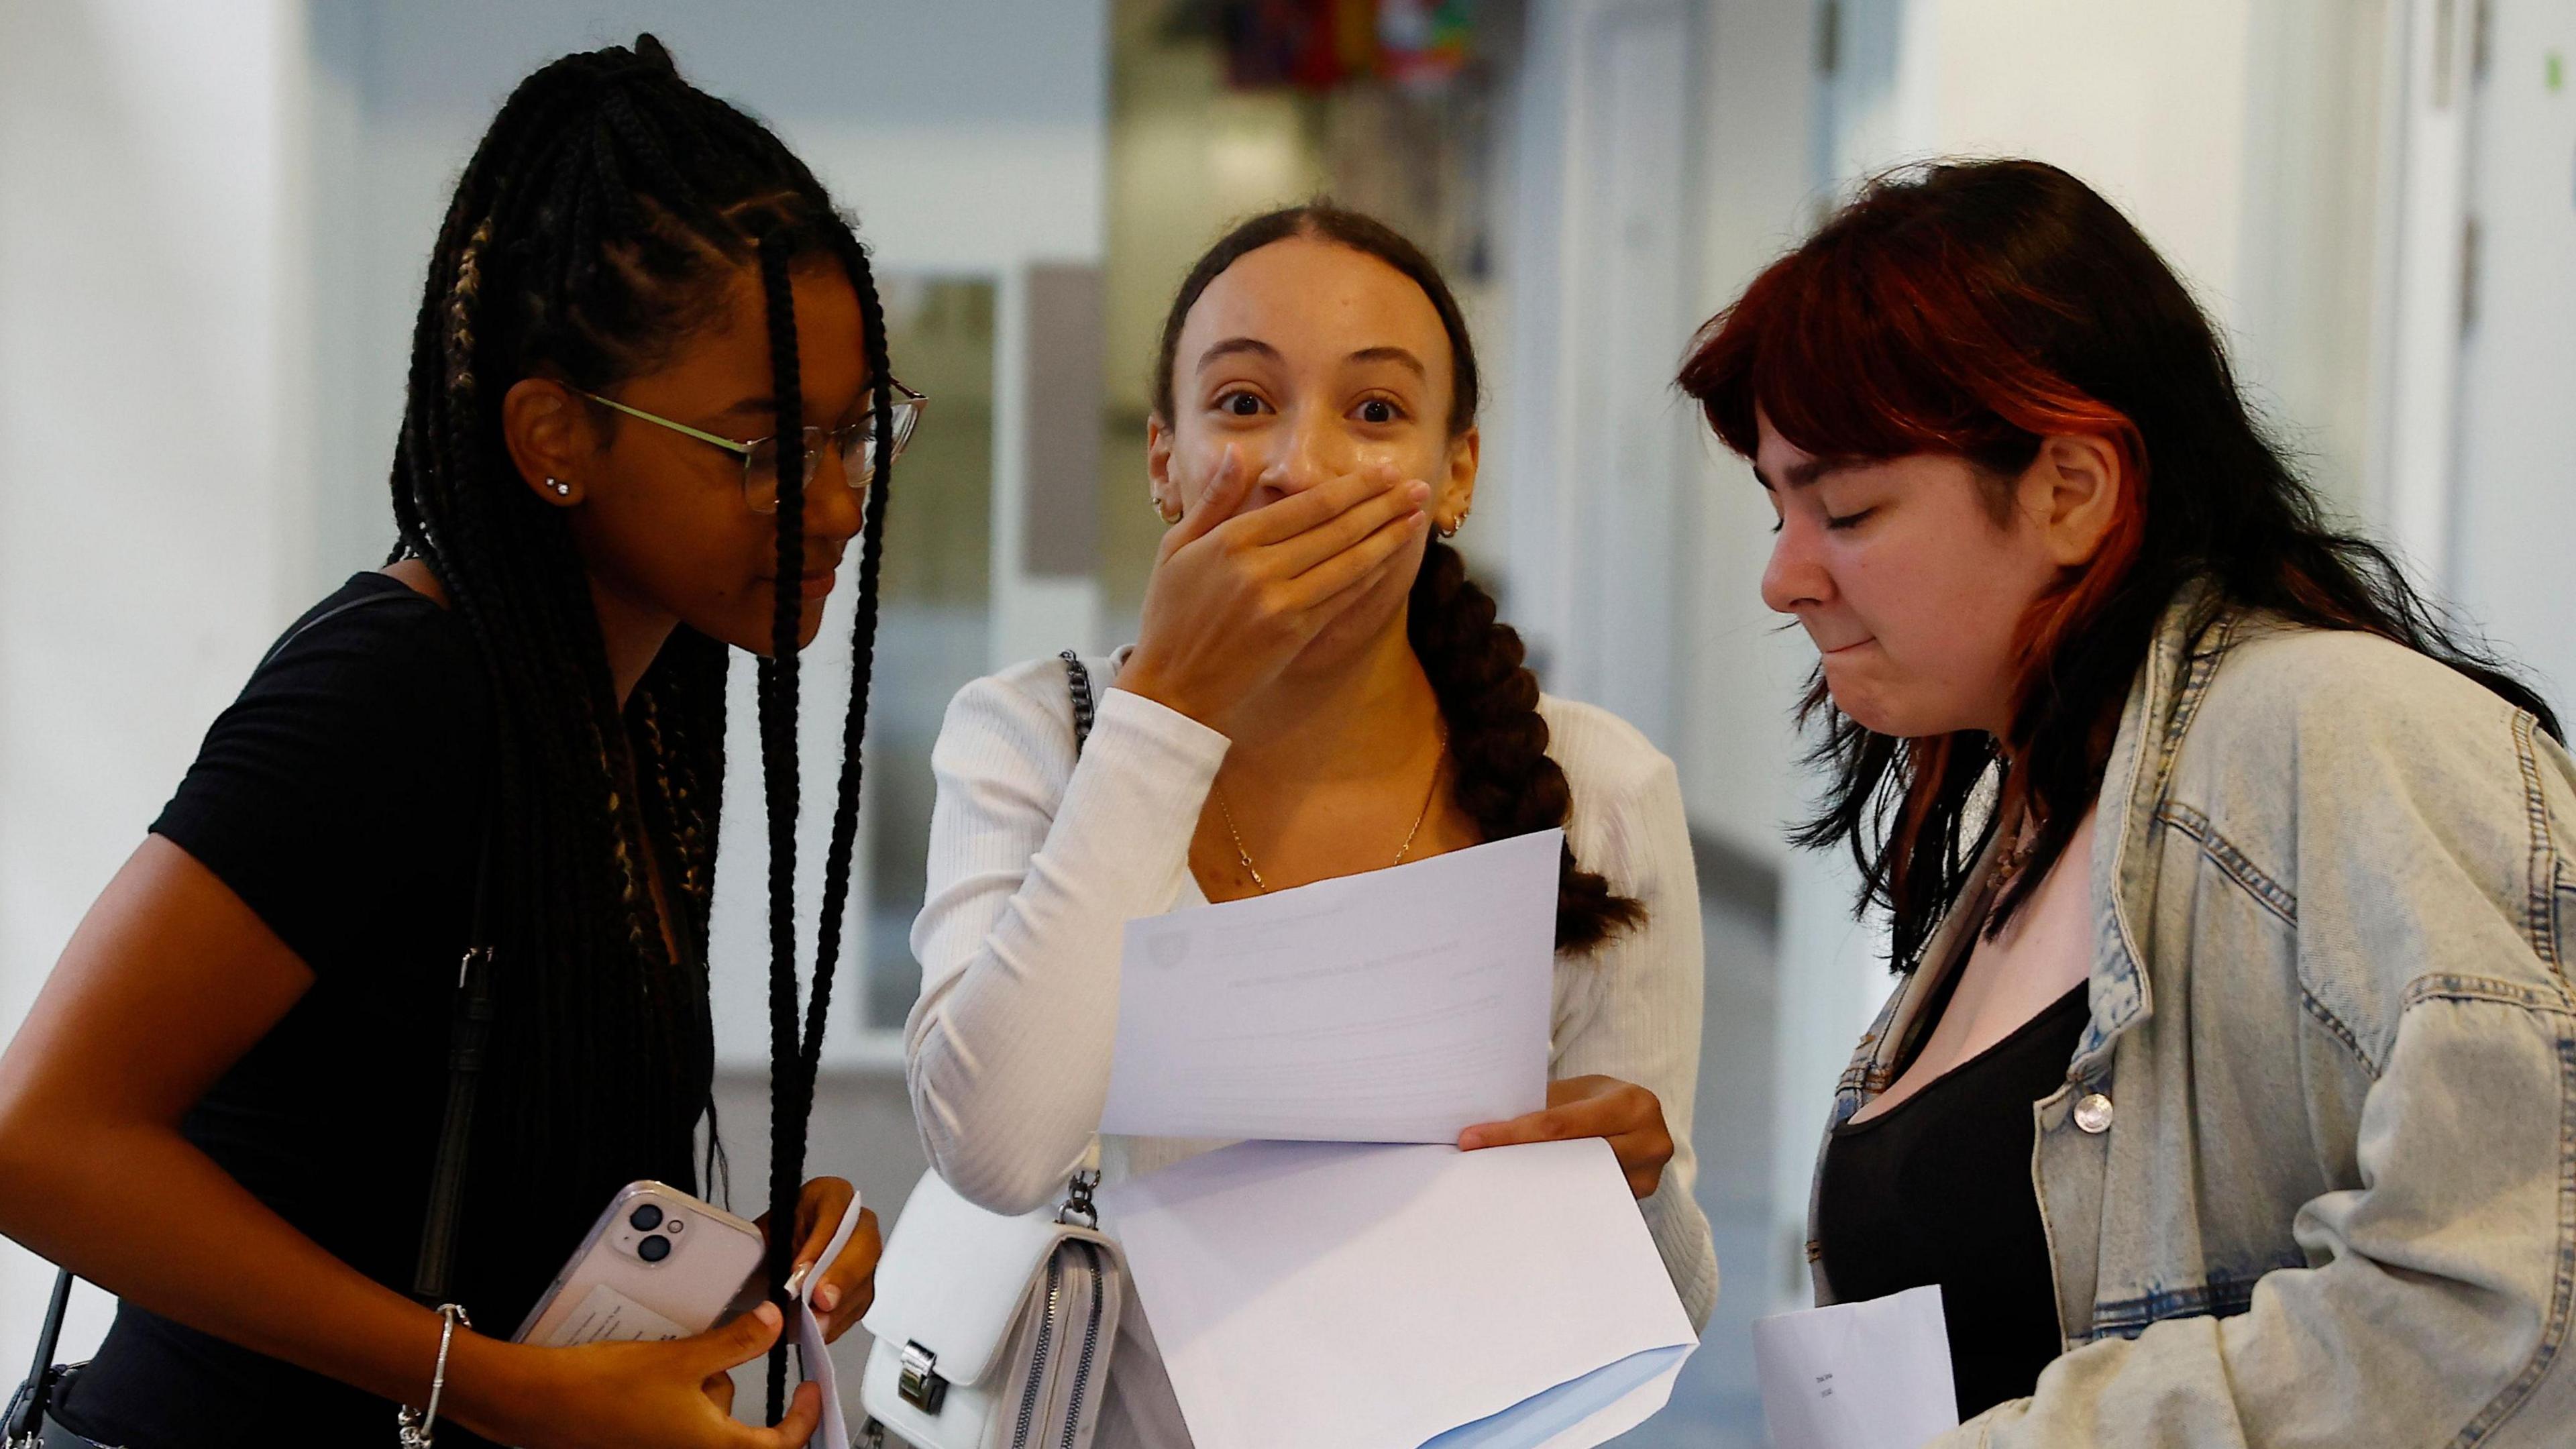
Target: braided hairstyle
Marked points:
602	220
1501	775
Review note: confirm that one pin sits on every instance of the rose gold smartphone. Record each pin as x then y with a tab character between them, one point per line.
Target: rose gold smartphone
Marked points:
659	1264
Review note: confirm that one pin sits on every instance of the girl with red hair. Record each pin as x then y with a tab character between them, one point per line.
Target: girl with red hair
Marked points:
2229	1090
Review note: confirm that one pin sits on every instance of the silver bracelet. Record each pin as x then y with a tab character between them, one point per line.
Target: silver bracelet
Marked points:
417	1424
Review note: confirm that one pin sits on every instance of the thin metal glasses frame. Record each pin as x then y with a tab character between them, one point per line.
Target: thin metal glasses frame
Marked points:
858	462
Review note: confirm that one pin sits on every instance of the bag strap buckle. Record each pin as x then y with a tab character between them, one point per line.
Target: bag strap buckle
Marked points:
1077	1200
919	1383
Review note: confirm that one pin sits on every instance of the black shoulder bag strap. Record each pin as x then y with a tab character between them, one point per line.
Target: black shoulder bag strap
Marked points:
25	1424
1077	679
469	1034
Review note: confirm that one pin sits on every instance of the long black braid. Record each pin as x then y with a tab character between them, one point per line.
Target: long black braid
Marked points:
601	220
778	766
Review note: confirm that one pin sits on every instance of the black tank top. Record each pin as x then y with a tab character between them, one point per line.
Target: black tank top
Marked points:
1937	1190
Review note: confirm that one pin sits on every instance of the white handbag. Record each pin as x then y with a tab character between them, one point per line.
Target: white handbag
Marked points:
993	1332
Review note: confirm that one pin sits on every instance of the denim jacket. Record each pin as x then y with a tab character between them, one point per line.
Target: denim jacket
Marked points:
2311	1179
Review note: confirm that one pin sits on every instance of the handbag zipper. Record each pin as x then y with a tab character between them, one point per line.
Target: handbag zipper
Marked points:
1038	1357
1090	1347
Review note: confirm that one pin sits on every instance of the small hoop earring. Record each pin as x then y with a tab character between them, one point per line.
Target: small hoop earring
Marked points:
1157	504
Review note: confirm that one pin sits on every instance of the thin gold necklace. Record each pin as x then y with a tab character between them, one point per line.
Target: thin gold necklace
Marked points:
1428	796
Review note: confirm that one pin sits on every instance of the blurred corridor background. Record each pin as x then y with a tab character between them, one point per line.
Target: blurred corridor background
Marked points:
213	223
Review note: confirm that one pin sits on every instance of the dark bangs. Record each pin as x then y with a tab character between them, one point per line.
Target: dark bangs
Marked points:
1882	337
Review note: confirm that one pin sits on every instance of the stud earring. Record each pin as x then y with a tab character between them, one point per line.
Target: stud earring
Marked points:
562	489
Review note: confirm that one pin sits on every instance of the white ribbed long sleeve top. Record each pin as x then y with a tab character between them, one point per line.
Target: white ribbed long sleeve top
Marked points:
1038	861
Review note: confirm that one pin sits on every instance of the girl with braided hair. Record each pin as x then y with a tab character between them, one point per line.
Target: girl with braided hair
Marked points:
1318	690
648	389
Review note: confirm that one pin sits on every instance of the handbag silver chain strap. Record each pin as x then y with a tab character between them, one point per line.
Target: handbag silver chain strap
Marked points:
920	1384
1077	679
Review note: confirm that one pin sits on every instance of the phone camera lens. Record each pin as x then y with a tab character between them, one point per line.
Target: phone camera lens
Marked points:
653	1249
646	1218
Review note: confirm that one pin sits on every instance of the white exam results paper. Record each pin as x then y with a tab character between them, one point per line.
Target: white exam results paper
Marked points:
1872	1375
1399	1005
813	1355
1395	1296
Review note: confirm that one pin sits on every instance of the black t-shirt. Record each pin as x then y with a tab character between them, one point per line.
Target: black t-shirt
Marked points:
340	798
1937	1190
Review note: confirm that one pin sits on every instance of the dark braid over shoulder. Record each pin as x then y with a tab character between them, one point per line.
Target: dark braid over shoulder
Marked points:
1502	774
602	220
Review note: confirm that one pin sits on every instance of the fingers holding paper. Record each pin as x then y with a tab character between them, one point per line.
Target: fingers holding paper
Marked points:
1629	1116
848	1283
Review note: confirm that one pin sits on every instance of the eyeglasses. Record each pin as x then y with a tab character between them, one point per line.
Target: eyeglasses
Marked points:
853	444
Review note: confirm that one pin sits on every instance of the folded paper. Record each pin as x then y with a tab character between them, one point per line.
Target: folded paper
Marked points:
1391	1297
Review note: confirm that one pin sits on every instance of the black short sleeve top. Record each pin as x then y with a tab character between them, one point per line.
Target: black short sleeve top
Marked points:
339	797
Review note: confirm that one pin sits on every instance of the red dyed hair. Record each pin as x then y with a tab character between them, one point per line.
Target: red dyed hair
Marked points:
1976	309
1879	341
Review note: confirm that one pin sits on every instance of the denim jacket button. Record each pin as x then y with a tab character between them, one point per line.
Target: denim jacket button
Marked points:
2093	1114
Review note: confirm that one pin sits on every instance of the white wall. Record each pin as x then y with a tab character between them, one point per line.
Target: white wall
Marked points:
2146	101
1760	188
2242	136
2515	525
2425	233
1656	156
154	500
2479	297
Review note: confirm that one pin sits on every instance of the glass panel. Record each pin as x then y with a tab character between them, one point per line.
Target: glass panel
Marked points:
934	625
